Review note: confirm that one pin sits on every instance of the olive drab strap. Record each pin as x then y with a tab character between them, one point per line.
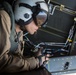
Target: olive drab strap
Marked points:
9	10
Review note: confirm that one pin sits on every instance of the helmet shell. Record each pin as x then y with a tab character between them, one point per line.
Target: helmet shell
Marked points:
23	15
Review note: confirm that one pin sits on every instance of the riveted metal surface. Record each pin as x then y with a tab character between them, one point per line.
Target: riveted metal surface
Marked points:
57	65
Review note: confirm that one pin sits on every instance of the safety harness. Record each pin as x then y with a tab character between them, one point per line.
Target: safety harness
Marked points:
7	7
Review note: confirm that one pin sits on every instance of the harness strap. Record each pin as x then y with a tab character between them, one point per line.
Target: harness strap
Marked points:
8	9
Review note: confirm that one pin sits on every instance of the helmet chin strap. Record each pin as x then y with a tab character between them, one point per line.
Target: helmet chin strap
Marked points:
23	28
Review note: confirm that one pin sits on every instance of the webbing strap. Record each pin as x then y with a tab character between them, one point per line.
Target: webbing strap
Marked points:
9	10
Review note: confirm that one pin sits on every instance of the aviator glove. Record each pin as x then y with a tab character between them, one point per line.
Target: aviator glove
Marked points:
43	58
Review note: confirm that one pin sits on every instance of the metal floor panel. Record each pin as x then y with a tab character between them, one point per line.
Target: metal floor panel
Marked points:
62	65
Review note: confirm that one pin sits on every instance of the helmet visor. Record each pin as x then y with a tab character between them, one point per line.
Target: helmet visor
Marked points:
41	18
